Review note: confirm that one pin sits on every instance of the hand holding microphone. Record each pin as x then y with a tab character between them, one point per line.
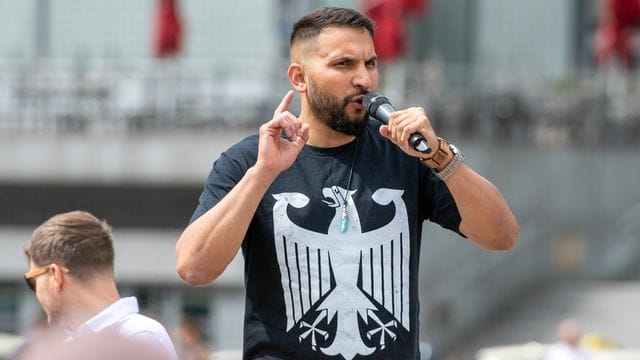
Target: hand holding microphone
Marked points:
380	108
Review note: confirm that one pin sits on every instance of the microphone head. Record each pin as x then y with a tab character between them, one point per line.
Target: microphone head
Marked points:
372	101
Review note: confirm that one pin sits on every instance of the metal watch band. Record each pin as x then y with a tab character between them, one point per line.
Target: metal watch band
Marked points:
453	165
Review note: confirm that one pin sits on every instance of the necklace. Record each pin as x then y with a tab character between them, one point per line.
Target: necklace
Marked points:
344	223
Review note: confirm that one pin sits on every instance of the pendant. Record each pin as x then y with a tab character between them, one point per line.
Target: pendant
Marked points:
345	220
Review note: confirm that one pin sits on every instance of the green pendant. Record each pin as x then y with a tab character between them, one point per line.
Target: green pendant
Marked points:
345	222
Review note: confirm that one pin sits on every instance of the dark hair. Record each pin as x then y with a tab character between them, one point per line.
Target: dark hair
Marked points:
310	25
76	240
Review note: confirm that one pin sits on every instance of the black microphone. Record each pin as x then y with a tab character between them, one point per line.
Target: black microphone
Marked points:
380	108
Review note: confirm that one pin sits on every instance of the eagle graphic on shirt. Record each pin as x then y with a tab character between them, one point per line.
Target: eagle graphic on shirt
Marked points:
345	293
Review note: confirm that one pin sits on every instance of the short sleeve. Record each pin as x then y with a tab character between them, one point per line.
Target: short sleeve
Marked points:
226	173
441	207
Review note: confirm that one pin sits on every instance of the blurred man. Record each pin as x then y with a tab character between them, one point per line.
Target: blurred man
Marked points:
100	346
191	345
567	347
328	208
71	260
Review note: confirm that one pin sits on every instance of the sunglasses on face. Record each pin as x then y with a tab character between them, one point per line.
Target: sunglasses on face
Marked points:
31	276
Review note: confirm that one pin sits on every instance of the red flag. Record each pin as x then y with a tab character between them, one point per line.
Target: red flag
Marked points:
615	31
390	17
417	7
168	29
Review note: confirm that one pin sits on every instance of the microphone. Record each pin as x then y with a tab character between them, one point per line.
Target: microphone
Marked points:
380	108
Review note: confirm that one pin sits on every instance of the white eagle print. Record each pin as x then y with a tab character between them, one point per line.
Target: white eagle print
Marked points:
323	271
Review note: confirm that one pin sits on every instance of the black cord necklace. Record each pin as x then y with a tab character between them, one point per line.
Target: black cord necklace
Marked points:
344	223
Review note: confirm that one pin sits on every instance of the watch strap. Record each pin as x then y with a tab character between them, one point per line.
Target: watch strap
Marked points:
440	155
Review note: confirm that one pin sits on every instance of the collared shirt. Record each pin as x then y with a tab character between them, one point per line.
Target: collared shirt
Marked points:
123	319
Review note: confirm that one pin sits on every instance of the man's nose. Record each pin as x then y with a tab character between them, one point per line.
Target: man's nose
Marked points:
362	78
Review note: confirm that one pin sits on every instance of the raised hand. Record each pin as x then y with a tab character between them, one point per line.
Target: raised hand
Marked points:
276	153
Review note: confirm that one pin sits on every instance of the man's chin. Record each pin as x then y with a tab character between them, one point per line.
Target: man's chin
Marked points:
353	127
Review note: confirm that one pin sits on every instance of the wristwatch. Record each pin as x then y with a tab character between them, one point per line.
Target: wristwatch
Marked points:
440	155
452	166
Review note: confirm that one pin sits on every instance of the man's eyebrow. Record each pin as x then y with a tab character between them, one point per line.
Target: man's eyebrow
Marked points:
343	57
352	58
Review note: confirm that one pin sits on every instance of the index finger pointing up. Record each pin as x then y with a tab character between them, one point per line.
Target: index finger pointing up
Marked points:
284	104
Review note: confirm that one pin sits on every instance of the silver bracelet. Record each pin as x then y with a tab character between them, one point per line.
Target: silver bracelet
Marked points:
452	166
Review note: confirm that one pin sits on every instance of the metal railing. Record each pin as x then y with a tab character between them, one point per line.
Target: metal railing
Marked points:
168	97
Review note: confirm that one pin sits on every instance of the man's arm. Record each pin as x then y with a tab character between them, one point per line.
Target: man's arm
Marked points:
208	244
486	217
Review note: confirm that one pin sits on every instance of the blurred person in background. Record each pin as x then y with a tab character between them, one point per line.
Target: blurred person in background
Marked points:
328	208
38	335
567	347
191	346
71	260
98	346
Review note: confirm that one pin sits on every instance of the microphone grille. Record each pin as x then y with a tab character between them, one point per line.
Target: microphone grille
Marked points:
372	102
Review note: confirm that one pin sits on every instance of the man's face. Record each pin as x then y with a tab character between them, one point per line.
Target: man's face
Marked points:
46	295
342	67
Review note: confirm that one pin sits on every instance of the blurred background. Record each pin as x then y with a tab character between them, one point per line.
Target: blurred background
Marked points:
120	107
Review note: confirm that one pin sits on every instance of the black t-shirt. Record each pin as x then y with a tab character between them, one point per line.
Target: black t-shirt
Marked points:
314	290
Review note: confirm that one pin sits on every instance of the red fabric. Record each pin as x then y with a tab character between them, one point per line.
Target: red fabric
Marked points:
390	17
614	34
417	7
168	29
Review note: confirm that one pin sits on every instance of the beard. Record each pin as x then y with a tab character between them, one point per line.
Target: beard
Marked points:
332	112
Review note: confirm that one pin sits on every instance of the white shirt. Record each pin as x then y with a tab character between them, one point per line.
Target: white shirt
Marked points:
123	318
562	351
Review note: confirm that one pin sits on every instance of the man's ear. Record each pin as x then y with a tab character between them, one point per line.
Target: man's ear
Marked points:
58	277
297	77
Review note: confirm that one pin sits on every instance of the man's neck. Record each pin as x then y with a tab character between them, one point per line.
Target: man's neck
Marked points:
323	136
90	301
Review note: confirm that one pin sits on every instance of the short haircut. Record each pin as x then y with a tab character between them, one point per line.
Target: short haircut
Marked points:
76	240
310	25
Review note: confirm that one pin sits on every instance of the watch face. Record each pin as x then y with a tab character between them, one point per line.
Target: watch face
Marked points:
439	156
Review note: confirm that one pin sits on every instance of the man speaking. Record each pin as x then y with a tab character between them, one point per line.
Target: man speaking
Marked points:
328	208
